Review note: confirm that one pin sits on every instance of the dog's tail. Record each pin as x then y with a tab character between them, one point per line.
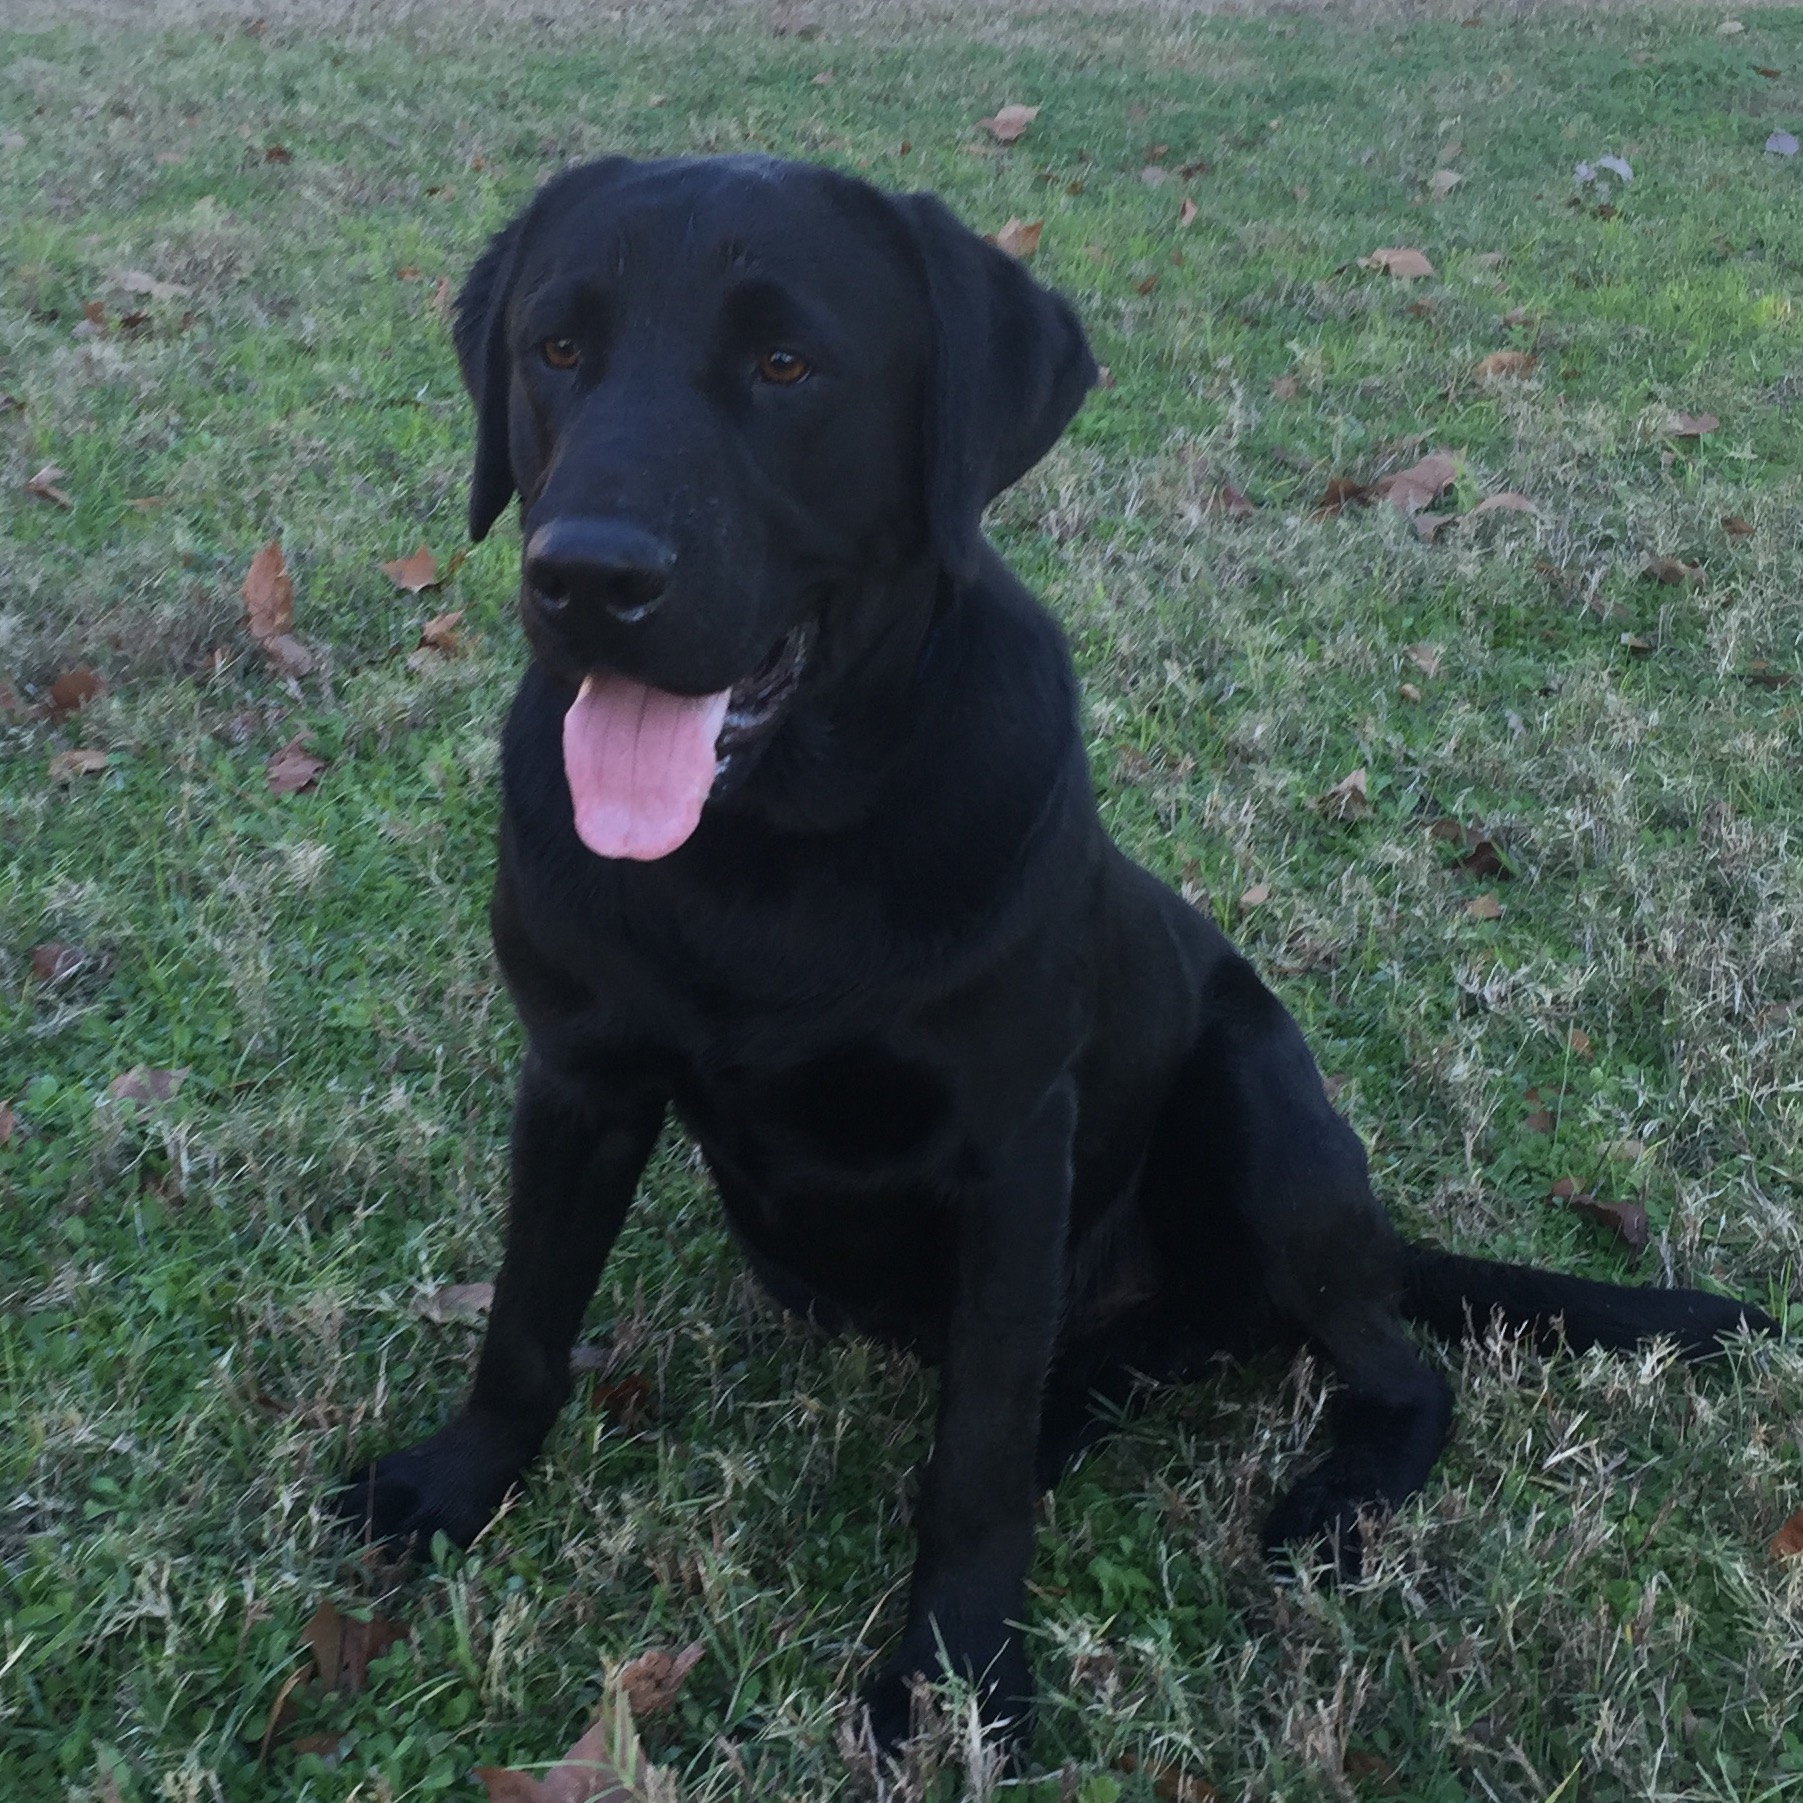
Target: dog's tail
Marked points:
1457	1298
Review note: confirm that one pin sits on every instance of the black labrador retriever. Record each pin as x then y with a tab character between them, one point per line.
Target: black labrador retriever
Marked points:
799	840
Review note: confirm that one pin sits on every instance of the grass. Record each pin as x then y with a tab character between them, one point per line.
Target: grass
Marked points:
212	1304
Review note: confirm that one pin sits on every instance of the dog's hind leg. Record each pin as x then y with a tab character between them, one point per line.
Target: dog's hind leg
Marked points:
1257	1192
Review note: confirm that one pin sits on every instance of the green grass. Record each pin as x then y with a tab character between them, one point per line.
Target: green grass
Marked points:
210	1306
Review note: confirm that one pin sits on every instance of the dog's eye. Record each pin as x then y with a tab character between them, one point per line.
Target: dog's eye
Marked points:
561	353
783	368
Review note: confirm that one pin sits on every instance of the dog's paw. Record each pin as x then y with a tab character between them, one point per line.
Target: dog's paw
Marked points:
1318	1524
1002	1677
450	1484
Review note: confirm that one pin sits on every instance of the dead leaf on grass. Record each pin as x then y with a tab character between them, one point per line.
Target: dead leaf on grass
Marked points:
293	768
1348	800
1626	1220
142	1084
1505	363
44	487
135	281
1019	237
1484	907
455	1302
1009	123
627	1400
1787	1543
1399	260
1736	527
287	655
1690	425
9	1122
67	765
607	1765
1579	1042
1425	658
1285	388
1419	486
1442	182
1255	897
269	593
1671	571
1170	1783
344	1647
420	571
53	961
73	690
1187	214
652	1682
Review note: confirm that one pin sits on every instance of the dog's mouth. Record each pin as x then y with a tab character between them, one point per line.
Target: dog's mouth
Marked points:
641	762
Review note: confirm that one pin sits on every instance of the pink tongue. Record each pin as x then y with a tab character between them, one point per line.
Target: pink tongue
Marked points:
640	762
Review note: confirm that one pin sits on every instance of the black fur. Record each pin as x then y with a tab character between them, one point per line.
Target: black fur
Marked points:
965	1076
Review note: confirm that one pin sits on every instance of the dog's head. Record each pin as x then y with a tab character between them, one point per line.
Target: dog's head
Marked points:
736	397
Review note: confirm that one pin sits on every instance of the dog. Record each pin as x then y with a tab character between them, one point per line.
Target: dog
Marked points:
799	842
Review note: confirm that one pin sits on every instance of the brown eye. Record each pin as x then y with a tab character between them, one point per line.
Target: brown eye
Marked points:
561	353
783	368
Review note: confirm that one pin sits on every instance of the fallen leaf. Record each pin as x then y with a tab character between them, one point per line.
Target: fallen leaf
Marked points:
74	689
1009	122
1504	363
142	1084
1019	237
67	765
1538	1121
1442	182
440	633
652	1682
1635	645
1228	500
408	272
344	1647
1410	490
1781	144
1187	214
1425	659
1579	1042
1767	71
278	153
293	769
1736	527
1763	675
52	961
1170	1783
1787	1543
1508	501
1627	1220
606	1765
1255	897
1285	388
627	1401
455	1302
44	486
1341	493
1348	800
1399	260
1670	570
269	593
1484	907
9	1122
1483	858
135	281
1409	692
1147	285
1690	425
1729	28
287	655
420	571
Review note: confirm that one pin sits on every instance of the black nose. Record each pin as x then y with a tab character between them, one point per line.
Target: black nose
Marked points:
608	562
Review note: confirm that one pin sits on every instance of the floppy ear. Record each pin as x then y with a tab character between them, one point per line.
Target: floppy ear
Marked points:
1010	369
480	335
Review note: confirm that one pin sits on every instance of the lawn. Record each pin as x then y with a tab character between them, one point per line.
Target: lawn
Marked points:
255	1060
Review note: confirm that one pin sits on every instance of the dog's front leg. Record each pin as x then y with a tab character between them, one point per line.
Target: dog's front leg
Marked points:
978	1489
576	1159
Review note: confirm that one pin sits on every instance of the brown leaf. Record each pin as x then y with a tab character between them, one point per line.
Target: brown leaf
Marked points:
606	1765
44	486
1483	858
1635	645
142	1084
1227	499
1736	527
1170	1783
420	571
652	1682
1009	122
1763	675
73	690
1342	492
627	1401
1187	214
269	593
9	1122
1408	691
278	153
53	961
1538	1121
1690	425
287	655
408	272
1146	286
1579	1042
1425	658
1787	1543
1402	262
440	633
293	768
1504	363
135	281
1484	907
1669	570
1255	897
1442	182
1285	388
1508	500
1421	484
1348	799
344	1647
1626	1220
67	765
455	1302
1019	238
